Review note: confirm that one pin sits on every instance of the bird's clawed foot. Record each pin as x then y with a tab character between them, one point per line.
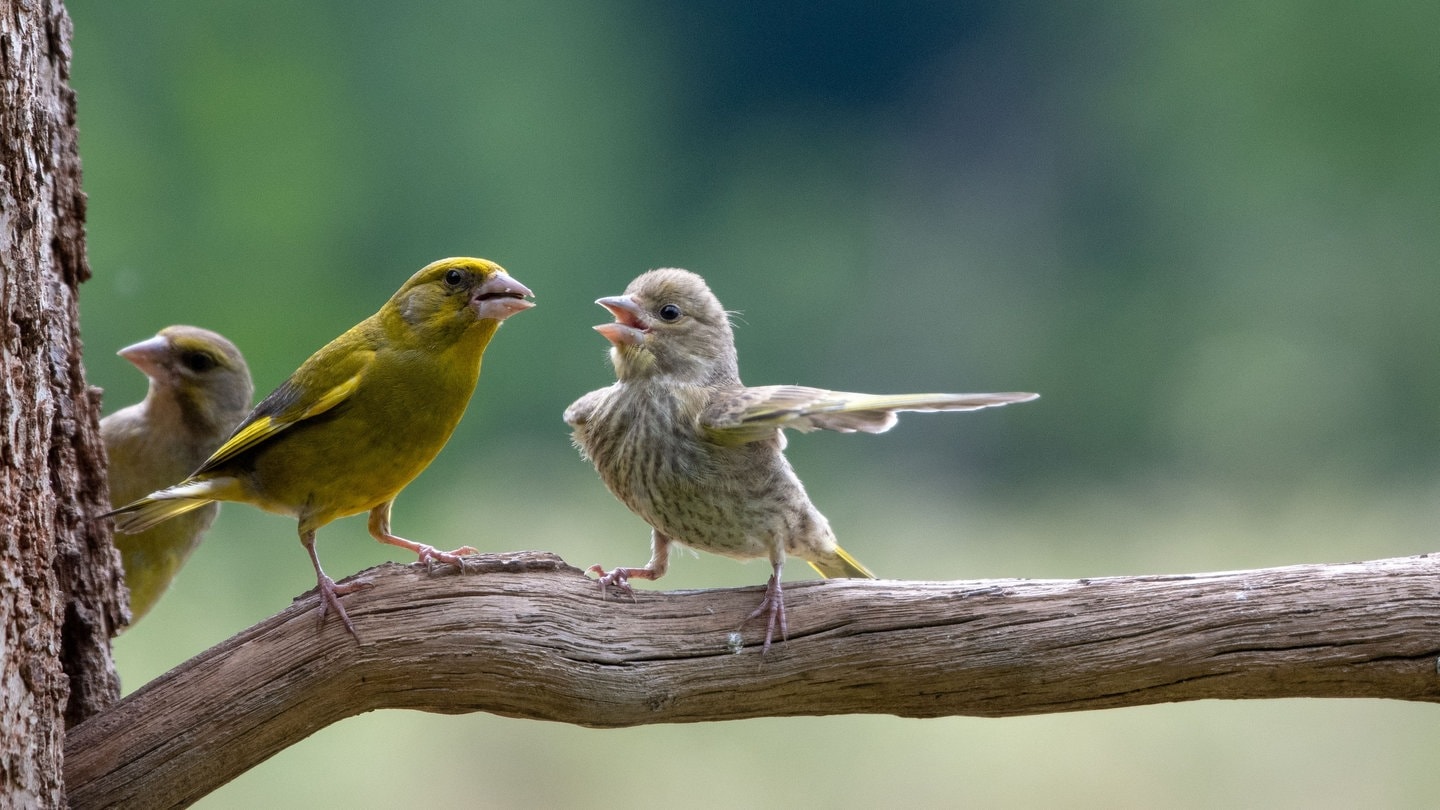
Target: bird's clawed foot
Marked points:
619	579
774	603
429	555
330	594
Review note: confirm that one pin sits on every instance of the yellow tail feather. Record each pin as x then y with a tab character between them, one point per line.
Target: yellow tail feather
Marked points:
843	565
136	517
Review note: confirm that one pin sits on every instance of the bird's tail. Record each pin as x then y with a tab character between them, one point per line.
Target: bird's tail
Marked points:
136	517
841	564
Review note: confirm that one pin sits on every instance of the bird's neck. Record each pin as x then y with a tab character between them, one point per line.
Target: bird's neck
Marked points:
467	350
636	365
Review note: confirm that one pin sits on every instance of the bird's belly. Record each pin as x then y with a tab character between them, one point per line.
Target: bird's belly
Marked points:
738	501
706	503
321	474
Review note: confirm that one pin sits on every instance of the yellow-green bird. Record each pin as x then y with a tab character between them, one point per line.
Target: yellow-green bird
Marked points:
699	456
199	391
360	419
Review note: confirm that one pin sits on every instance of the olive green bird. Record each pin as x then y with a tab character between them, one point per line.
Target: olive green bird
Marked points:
699	456
199	391
360	419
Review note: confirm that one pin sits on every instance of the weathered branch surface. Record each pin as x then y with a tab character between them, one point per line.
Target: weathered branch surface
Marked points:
525	635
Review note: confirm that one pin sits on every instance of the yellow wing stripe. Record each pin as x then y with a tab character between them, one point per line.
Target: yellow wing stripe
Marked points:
853	568
148	512
263	427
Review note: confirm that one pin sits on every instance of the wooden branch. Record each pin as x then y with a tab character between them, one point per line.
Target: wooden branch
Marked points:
526	635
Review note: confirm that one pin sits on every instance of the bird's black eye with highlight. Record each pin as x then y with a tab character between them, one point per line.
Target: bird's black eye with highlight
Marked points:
454	278
199	362
669	313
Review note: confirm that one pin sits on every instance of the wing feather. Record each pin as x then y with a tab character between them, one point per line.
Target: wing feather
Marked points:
751	414
294	402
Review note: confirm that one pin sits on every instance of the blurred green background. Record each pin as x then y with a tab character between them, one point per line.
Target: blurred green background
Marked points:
1207	234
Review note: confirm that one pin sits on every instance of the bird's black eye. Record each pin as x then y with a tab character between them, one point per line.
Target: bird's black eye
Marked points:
669	313
198	362
454	277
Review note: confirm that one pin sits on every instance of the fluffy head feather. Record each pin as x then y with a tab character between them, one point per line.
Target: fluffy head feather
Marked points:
668	323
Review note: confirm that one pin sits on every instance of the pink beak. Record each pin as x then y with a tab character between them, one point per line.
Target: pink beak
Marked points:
629	328
500	297
147	355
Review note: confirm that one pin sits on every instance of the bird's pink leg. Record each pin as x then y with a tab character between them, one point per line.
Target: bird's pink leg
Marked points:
330	593
380	530
653	570
774	602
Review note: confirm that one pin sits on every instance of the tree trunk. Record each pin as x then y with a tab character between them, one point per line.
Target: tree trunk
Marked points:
61	591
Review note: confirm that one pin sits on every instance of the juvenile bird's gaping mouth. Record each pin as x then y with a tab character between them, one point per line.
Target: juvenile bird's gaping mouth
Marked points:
630	326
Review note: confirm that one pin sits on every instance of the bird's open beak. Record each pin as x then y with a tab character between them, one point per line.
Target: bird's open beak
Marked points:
147	355
629	328
500	297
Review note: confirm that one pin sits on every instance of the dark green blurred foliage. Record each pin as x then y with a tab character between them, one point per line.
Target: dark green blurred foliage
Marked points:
1206	234
1207	237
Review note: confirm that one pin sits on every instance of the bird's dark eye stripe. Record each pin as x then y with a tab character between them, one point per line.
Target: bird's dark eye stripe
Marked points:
453	277
198	360
669	313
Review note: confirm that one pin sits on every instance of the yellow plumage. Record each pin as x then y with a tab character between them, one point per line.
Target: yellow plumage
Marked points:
848	566
359	419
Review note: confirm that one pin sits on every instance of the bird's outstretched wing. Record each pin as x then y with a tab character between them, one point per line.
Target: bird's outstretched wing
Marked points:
751	414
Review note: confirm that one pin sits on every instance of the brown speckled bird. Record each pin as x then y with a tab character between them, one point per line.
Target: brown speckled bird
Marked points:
699	456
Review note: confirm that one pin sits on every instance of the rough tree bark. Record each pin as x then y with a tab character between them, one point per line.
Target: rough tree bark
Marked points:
527	636
59	575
